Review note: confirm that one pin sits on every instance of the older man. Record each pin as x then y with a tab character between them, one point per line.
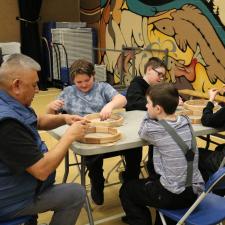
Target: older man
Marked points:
27	168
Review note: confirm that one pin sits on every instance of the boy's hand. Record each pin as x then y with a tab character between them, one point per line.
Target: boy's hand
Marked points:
180	101
55	106
222	90
106	112
212	94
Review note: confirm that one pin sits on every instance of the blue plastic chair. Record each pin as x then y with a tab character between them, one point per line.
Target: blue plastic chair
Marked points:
16	221
208	209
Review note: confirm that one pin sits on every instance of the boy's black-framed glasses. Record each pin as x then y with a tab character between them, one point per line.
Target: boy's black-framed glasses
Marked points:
160	74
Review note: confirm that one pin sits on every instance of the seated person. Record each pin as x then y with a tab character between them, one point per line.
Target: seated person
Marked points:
84	97
169	189
27	168
154	73
209	161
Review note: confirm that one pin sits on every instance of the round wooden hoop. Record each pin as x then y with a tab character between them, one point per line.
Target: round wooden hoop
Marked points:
115	135
195	119
195	108
197	104
116	120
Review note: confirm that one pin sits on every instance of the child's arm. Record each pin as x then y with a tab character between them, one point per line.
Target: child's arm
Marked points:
145	129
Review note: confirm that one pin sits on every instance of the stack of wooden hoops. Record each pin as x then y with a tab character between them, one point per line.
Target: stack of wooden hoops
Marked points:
102	132
193	109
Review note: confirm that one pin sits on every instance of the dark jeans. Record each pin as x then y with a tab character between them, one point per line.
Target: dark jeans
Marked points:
209	163
137	194
95	166
133	158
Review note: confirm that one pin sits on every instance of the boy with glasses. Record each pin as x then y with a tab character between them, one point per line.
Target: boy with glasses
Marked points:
155	72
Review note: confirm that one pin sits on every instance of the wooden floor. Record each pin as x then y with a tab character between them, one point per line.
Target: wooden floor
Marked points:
108	214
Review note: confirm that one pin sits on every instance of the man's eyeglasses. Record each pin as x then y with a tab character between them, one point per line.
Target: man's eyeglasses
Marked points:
160	74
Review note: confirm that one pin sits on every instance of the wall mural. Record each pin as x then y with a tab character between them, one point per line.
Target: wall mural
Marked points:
192	31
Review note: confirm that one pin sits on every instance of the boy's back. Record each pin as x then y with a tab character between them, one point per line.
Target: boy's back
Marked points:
169	160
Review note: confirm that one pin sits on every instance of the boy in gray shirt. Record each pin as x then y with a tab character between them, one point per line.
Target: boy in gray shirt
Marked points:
169	190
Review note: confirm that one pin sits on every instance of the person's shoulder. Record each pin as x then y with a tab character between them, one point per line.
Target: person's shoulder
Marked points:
182	122
103	86
138	81
102	83
69	89
151	123
184	119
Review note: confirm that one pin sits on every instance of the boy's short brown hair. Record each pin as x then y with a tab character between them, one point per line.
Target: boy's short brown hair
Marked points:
81	66
165	95
154	62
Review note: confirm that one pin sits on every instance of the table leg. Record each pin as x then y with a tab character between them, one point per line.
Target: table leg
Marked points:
65	176
87	203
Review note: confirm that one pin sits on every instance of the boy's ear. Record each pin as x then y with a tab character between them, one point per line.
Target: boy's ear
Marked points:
149	68
158	108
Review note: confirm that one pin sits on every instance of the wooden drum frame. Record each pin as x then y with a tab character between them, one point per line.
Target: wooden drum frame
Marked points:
193	109
115	120
113	137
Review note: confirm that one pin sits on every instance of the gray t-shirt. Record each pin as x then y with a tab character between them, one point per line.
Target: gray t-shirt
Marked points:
169	160
80	103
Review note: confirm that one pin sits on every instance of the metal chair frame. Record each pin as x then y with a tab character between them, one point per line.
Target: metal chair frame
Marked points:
190	215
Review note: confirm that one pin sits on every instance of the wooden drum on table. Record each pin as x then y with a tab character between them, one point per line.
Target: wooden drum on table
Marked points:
100	135
115	120
102	132
193	109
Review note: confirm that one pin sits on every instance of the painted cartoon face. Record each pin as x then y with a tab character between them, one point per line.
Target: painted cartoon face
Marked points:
166	26
84	82
156	75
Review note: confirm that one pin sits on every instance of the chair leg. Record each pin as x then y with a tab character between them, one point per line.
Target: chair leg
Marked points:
112	169
77	163
162	218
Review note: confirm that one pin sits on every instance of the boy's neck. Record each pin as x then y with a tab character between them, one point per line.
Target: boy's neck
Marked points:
169	117
145	78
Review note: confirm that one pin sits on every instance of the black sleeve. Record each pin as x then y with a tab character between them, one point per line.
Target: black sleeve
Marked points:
136	99
211	119
18	147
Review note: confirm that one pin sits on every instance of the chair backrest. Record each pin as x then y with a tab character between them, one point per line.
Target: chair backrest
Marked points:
216	181
222	163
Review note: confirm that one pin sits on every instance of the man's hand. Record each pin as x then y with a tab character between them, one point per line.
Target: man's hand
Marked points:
70	119
77	130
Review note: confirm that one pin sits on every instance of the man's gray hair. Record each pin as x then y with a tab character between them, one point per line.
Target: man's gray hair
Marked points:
15	63
21	61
